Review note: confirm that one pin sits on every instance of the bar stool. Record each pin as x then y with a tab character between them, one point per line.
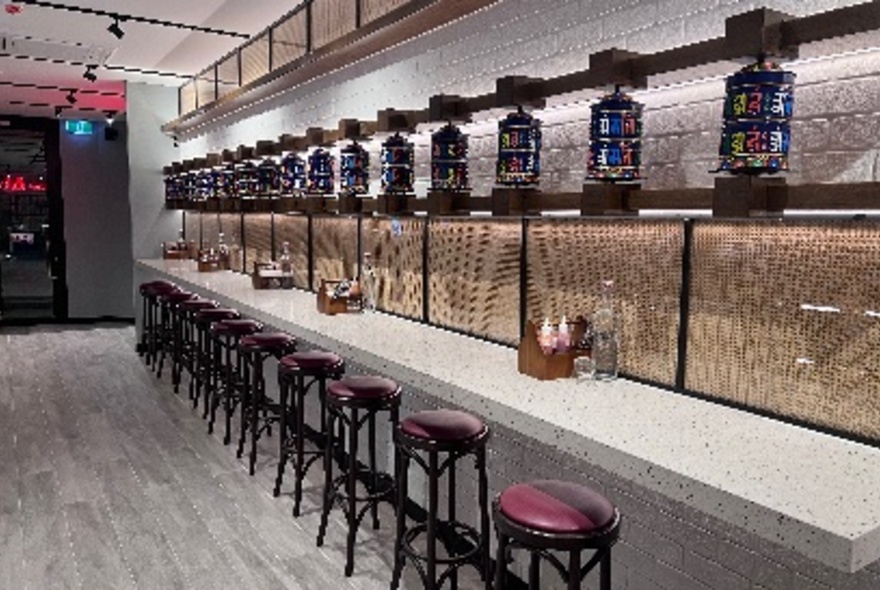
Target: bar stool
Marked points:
545	516
258	412
300	371
225	382
204	360
456	435
150	292
355	401
168	303
185	353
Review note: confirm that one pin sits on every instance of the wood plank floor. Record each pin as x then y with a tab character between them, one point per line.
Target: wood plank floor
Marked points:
109	480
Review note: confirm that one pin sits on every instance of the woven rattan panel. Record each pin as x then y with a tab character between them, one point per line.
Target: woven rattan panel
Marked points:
373	9
294	229
784	318
289	39
230	225
474	276
396	248
255	59
335	248
192	227
257	239
187	95
210	230
331	19
568	259
227	75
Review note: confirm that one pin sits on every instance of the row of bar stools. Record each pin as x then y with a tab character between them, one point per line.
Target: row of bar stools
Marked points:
445	437
205	361
354	402
257	411
225	383
545	516
298	373
168	303
150	293
186	354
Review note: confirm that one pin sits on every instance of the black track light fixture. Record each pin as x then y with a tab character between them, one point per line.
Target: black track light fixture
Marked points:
115	29
90	73
111	117
71	97
58	111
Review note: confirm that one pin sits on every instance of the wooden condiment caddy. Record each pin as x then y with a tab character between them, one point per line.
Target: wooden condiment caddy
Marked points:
329	305
212	262
269	275
178	251
533	361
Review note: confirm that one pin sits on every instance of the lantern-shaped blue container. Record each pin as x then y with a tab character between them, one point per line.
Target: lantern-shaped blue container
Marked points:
170	181
321	178
293	175
246	179
449	159
758	107
268	178
615	139
398	165
204	184
519	150
354	169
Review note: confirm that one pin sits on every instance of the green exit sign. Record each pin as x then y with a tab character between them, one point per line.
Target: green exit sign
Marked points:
79	127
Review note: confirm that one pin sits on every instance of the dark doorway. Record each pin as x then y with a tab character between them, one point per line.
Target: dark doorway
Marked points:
32	275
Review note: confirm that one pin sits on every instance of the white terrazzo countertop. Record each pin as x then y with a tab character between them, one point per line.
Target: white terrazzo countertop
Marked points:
813	493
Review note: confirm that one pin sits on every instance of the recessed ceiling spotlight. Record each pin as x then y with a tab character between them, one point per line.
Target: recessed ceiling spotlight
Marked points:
115	29
90	73
111	117
58	111
71	97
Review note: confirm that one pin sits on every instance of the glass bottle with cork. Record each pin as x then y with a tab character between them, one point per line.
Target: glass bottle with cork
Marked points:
606	342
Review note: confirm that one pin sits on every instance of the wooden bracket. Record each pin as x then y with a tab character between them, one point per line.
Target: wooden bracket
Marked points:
605	198
391	120
245	152
447	107
749	196
615	67
292	143
266	148
514	201
757	33
350	204
519	91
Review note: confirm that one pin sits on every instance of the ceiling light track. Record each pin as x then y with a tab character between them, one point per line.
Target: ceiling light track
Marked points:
70	91
124	69
119	17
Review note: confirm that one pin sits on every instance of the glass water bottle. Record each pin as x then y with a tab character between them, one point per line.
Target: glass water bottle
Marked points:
368	283
605	335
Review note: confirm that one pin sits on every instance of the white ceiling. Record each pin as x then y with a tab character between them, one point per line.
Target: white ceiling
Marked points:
46	32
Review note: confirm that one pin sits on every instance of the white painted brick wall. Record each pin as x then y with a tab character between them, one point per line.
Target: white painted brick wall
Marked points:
665	546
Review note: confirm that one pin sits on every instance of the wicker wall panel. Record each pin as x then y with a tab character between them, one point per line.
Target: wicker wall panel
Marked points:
210	230
230	225
784	318
331	19
289	39
257	239
568	259
192	227
227	75
335	248
474	276
396	248
373	9
255	59
294	229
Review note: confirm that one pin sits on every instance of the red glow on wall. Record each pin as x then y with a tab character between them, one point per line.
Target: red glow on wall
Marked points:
19	184
13	9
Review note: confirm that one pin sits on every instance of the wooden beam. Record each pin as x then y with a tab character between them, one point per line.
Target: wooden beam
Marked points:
848	20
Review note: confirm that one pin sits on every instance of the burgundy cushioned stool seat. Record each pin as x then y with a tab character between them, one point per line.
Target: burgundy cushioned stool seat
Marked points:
557	507
236	327
442	425
363	387
268	340
156	288
175	297
198	304
556	516
216	315
310	361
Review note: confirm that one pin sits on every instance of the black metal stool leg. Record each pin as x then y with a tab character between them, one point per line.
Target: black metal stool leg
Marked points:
431	533
299	466
447	538
244	405
257	395
534	571
233	383
401	467
328	475
605	571
574	570
483	492
501	562
374	481
283	434
351	490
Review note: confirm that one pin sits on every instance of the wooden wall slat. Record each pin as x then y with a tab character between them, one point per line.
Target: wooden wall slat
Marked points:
335	248
396	248
258	239
294	229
